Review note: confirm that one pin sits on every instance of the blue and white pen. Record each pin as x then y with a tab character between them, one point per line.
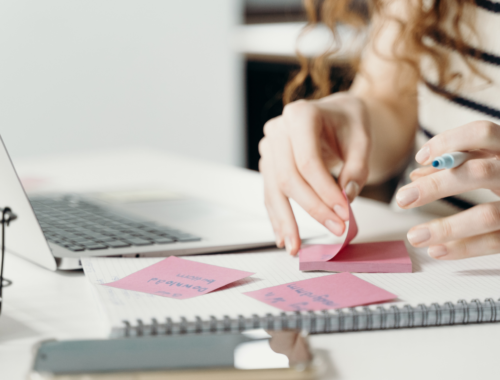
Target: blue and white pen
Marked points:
451	160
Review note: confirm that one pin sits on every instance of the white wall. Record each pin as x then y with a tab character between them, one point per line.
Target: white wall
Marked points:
89	74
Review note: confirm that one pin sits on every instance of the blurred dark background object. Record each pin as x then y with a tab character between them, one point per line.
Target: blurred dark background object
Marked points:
265	11
264	83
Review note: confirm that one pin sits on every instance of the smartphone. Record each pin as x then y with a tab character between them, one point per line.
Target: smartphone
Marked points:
281	355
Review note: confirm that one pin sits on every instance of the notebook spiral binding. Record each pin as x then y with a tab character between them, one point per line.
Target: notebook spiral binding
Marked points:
343	320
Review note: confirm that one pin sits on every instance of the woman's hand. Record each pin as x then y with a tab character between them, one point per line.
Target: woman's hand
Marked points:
470	233
298	151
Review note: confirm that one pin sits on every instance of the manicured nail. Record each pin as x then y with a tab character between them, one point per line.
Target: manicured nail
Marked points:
342	212
352	190
418	235
437	251
407	196
288	245
423	155
334	227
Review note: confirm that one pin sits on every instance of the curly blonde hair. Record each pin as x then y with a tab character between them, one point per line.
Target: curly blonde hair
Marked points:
427	19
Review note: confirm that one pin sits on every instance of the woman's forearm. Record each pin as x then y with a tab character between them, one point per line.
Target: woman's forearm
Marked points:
393	127
388	87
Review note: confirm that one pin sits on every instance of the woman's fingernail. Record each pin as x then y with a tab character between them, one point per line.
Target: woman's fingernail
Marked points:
423	155
288	245
437	251
279	242
334	227
352	190
418	235
407	196
342	212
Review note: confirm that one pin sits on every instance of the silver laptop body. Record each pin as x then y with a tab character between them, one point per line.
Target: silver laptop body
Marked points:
56	230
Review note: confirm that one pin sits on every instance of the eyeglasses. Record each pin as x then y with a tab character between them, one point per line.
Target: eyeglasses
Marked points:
7	217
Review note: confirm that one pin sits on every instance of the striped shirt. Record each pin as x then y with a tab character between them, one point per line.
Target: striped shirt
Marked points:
444	108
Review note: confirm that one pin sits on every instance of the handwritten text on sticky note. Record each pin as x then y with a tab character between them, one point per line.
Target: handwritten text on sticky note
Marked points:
322	293
179	278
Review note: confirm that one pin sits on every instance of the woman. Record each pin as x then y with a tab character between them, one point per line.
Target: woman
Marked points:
427	81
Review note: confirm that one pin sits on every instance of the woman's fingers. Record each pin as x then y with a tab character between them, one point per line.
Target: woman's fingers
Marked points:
348	118
280	212
304	121
474	174
483	135
294	186
356	146
355	170
282	181
478	220
294	153
480	245
276	224
422	172
427	170
474	232
283	221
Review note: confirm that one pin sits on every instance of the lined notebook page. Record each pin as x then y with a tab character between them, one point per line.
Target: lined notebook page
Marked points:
432	281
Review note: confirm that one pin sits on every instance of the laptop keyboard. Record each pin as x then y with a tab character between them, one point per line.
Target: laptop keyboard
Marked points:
79	226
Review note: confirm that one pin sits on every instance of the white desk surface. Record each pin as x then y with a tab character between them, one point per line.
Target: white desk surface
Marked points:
42	304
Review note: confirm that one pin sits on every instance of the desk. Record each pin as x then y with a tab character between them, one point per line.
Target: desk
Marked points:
42	304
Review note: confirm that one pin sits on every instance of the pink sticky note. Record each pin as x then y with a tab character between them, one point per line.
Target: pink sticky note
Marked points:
380	257
352	231
322	293
179	278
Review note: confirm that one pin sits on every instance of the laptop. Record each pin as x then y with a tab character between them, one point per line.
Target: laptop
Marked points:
56	230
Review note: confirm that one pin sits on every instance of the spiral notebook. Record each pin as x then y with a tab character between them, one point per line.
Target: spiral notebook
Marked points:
436	293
